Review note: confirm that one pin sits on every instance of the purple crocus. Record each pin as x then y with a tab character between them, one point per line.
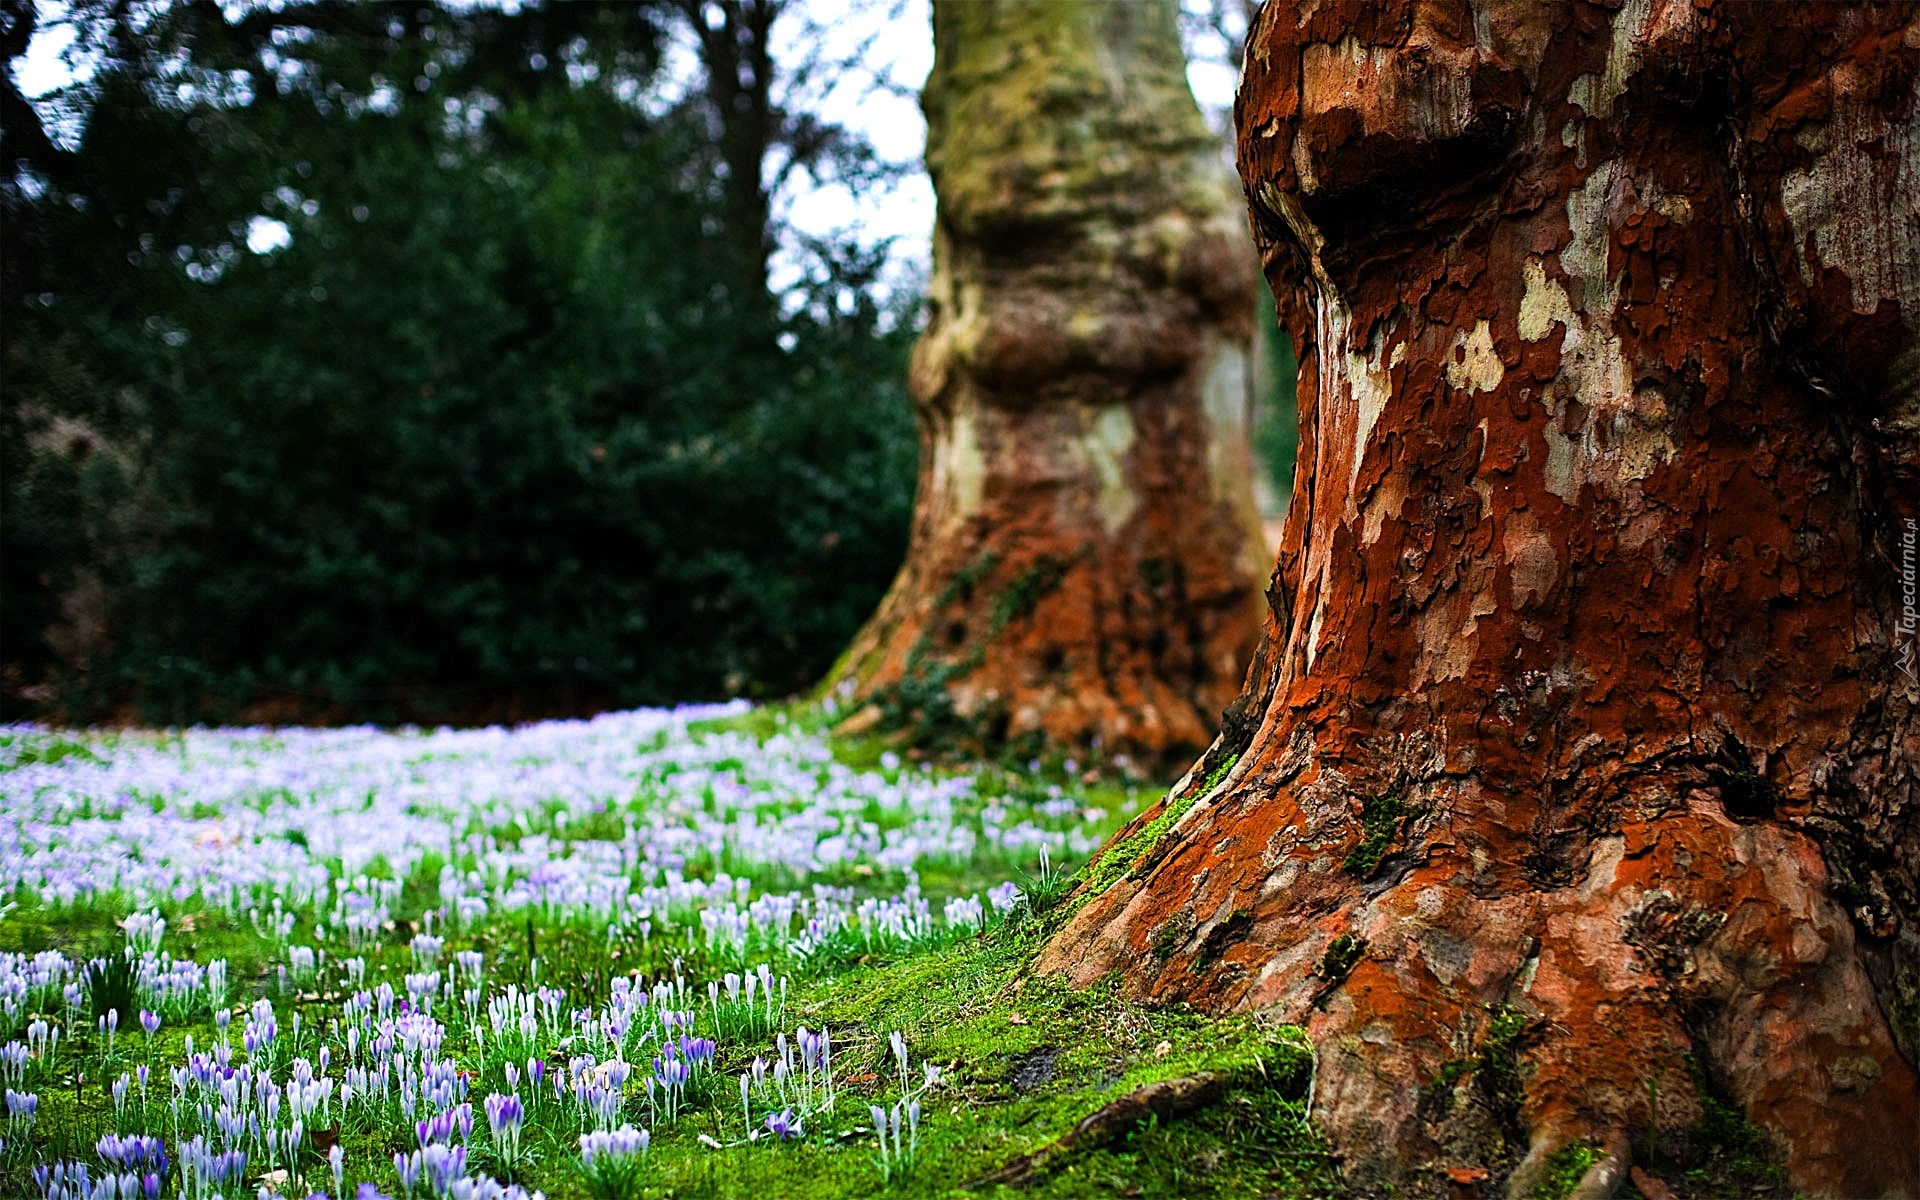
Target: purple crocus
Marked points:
784	1125
505	1114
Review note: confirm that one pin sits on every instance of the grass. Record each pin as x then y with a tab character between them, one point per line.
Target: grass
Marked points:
1023	1060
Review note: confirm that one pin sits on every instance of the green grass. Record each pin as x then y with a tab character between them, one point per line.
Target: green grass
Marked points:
29	749
1024	1059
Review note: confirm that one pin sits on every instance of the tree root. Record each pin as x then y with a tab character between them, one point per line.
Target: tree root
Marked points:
1166	1099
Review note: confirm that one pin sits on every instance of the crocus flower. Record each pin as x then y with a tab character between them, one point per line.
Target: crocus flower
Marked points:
784	1125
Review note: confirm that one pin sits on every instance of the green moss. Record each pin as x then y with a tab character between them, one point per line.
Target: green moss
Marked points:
960	586
1116	119
1497	1074
1343	954
1219	774
1119	859
1028	588
1167	937
1219	937
1494	1066
918	707
974	1009
1565	1168
1380	818
1723	1156
1436	1095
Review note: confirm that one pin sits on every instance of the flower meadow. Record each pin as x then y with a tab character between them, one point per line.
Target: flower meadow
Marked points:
466	964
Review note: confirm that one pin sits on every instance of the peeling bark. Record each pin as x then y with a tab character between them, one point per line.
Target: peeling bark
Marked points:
1578	764
1085	554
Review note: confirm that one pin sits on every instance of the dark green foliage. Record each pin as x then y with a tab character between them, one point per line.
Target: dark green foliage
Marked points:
1276	426
110	989
499	431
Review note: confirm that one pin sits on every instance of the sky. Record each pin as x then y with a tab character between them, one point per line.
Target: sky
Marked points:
42	68
892	43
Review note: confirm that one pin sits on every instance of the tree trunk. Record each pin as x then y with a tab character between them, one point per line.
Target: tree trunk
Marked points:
735	39
1085	565
1574	785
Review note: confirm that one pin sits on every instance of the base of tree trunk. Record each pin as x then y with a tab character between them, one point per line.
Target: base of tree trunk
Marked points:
1033	625
1476	1002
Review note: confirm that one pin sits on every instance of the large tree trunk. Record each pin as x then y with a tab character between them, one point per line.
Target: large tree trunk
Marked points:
1576	778
1084	568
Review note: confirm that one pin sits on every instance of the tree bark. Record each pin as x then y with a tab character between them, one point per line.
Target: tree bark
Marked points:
1575	781
735	39
1084	564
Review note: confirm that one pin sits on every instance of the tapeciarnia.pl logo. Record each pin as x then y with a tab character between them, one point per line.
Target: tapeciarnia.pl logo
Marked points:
1909	613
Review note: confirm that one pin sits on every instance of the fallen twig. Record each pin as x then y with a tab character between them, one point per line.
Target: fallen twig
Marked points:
1166	1099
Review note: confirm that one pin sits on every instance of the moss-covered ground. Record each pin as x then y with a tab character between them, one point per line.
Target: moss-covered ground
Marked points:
1023	1061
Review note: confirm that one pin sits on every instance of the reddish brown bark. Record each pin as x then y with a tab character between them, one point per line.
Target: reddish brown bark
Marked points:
1585	711
1085	563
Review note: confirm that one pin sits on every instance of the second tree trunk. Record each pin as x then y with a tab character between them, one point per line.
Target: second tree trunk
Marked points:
1084	568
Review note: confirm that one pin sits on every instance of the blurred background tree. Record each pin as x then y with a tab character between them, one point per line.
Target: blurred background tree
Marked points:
1085	567
1214	35
419	362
